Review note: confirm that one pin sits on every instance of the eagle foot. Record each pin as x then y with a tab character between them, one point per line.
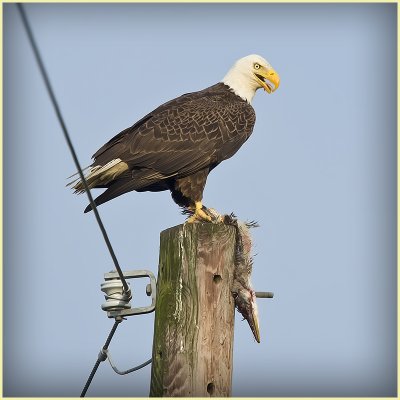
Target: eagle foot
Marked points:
200	213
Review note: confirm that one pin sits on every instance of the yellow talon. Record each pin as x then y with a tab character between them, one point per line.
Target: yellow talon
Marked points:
199	214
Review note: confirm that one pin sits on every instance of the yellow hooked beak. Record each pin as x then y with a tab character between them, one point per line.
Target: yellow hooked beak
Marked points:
268	79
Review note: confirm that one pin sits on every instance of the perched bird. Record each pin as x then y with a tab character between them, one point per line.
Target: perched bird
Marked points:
242	291
177	145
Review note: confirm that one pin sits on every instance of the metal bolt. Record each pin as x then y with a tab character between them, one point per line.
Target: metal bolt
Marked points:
265	295
148	289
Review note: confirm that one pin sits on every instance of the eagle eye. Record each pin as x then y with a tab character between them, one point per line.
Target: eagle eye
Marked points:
256	66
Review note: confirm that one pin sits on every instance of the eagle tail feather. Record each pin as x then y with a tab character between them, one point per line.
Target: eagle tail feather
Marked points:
76	174
100	175
140	180
118	188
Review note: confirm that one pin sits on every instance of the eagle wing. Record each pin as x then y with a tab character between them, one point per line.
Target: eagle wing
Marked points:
188	134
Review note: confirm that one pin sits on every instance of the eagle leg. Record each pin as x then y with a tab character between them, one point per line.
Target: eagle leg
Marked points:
202	213
199	214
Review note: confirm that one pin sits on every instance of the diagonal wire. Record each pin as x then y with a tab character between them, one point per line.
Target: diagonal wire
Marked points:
101	357
69	142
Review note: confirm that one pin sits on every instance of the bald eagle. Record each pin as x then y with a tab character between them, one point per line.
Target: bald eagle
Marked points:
178	144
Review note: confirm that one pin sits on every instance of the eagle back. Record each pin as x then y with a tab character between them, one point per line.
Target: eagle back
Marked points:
200	129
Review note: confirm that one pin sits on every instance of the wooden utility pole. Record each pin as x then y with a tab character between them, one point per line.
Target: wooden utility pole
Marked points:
193	331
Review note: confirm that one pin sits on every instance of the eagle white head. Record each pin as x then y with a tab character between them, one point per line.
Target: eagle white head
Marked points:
249	74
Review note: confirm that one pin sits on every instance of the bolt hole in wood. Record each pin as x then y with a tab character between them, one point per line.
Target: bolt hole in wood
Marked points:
210	388
217	279
194	257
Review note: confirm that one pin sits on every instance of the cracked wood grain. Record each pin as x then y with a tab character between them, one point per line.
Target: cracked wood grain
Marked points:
193	330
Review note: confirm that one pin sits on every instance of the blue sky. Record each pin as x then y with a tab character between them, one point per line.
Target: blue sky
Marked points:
318	173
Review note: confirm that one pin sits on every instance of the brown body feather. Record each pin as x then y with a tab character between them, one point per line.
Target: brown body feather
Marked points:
177	145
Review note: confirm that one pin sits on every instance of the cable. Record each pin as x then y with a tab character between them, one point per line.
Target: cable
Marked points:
69	142
128	371
103	352
101	357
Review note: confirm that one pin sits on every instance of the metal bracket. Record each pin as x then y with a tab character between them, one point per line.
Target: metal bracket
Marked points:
150	290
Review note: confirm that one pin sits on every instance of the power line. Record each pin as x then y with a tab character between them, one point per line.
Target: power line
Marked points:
69	143
105	354
101	357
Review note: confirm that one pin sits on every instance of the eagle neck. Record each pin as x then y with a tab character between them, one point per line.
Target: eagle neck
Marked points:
240	84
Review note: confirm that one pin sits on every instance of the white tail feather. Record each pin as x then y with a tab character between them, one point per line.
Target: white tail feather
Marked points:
77	173
99	175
